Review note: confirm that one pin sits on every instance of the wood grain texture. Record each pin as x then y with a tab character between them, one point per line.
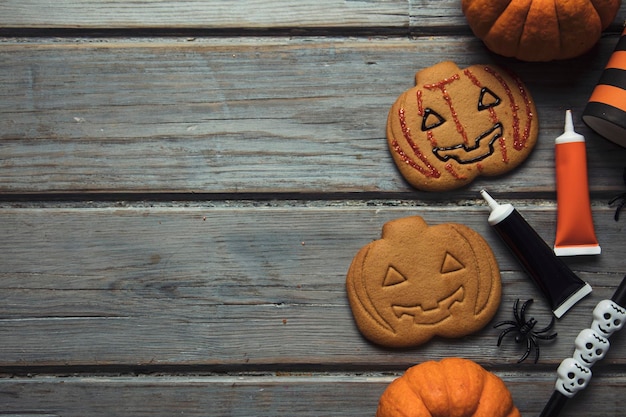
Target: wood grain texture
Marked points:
268	395
183	185
250	116
251	14
204	14
169	286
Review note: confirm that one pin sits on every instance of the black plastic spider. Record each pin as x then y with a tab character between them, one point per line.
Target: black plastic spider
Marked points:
525	330
621	198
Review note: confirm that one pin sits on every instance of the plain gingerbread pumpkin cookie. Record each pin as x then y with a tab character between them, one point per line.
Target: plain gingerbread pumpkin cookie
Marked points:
420	281
456	125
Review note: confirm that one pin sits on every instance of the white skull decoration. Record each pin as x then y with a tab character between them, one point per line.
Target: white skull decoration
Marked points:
608	318
590	347
573	377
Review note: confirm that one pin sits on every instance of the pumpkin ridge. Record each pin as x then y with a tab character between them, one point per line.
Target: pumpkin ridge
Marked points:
400	411
495	398
541	35
579	25
394	402
482	14
461	372
412	387
450	400
425	387
506	32
606	10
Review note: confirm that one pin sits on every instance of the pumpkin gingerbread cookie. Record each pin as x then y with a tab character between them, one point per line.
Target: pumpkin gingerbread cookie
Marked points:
421	281
456	125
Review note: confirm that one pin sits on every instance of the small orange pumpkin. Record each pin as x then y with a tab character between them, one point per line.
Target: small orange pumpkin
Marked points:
450	387
539	30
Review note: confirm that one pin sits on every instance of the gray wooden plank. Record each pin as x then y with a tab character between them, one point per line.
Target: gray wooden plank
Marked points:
268	395
228	286
238	307
416	16
220	14
413	16
249	115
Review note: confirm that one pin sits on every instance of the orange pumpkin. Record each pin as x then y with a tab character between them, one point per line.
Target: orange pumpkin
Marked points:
539	30
451	387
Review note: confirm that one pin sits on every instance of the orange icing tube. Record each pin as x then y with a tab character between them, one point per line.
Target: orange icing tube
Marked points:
575	234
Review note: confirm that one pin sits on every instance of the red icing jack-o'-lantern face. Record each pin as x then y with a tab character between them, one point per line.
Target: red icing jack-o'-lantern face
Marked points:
456	125
417	282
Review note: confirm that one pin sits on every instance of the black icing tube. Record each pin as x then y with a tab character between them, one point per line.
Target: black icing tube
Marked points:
558	283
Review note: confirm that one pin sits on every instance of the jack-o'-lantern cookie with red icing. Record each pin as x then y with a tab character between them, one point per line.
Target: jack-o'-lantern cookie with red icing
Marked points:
420	281
458	124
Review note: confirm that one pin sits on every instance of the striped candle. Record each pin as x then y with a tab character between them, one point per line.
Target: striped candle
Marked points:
606	110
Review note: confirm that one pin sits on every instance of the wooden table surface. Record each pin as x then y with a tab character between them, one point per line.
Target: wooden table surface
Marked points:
183	185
